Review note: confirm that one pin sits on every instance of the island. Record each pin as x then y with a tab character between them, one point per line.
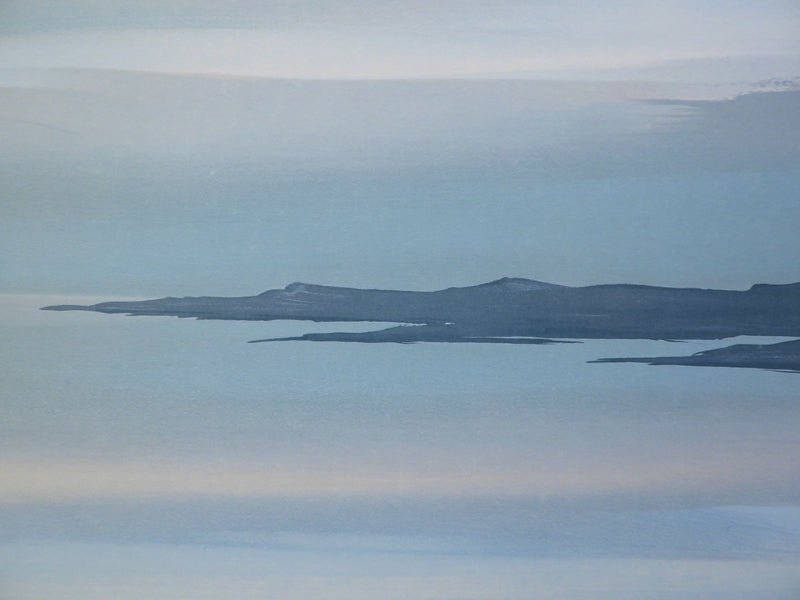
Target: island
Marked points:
516	311
782	356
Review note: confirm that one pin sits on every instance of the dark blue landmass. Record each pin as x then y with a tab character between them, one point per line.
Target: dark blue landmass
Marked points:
783	356
513	311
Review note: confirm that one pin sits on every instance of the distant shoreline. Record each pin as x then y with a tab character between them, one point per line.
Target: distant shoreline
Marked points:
519	311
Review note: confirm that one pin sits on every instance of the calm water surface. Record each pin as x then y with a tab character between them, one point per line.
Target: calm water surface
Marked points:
168	458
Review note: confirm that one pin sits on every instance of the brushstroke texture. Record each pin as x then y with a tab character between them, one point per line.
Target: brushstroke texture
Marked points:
519	311
783	356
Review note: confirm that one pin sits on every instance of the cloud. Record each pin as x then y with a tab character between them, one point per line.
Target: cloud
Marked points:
383	39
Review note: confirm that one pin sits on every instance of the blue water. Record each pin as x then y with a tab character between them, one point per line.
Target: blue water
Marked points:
168	458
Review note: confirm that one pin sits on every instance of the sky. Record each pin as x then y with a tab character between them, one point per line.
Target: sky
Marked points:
145	185
386	38
149	145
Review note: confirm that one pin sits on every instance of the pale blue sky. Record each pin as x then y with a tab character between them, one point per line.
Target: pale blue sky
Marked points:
127	182
388	38
134	184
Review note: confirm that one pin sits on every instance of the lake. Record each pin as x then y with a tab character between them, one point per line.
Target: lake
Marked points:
167	458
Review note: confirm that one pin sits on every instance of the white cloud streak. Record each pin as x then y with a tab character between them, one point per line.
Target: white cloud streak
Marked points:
387	39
